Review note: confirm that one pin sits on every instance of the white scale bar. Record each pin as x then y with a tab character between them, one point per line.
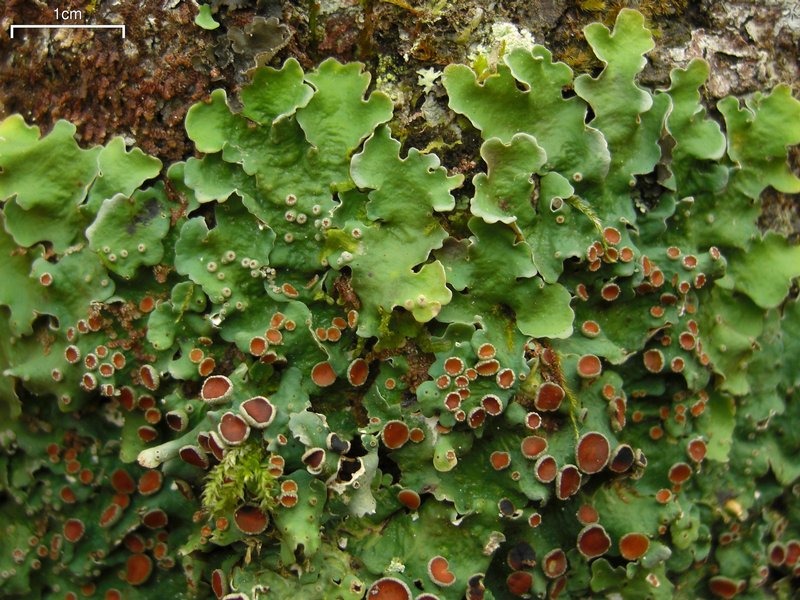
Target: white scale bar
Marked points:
13	27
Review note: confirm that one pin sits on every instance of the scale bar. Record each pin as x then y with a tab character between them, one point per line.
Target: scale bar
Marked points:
13	27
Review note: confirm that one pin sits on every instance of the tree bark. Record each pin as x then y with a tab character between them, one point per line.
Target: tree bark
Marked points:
140	87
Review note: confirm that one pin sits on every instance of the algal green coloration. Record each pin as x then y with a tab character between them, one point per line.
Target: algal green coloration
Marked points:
311	363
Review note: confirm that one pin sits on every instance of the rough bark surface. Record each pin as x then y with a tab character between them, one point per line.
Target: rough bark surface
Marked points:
142	86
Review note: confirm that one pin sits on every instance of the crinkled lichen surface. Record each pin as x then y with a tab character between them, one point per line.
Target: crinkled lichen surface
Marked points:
309	364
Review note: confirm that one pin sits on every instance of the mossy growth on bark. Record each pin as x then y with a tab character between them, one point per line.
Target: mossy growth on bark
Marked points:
309	363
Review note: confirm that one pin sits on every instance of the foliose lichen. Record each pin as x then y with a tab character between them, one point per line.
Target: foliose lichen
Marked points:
308	364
